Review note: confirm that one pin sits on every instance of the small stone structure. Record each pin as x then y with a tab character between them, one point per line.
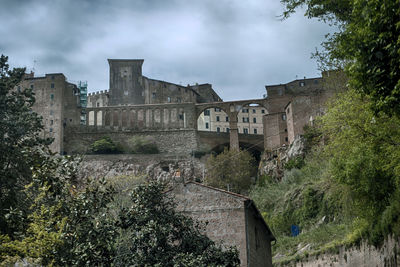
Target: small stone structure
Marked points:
229	218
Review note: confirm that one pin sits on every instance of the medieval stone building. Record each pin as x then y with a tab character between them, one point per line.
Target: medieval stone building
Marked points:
229	218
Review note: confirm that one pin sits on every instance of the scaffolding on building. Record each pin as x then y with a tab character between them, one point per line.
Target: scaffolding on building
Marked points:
83	100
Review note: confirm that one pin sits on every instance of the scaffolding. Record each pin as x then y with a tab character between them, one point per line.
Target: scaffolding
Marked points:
83	100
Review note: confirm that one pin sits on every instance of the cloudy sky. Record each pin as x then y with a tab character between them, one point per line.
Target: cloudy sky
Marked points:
239	46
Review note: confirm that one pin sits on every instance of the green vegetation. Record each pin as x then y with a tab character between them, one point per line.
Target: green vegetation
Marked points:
49	218
366	45
143	145
349	184
106	146
231	170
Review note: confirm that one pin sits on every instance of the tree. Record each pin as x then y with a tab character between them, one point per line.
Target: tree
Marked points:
233	170
20	146
366	45
363	149
153	233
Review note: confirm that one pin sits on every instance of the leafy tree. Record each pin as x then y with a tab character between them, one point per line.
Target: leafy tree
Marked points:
20	145
366	45
153	233
364	154
231	168
106	146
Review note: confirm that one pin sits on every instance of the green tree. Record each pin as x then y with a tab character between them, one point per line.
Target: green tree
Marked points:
366	45
106	145
153	233
233	169
20	146
363	148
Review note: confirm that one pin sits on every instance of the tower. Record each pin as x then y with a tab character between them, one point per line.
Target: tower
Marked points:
126	84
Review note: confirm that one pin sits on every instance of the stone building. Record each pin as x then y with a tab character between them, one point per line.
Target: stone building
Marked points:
129	87
58	102
302	101
230	218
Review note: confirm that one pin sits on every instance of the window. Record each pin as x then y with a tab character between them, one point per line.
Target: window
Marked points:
283	117
98	104
218	130
255	131
286	139
245	130
181	116
52	96
169	99
263	111
52	85
51	122
31	86
206	125
245	119
178	99
227	130
153	95
254	120
302	84
226	118
51	112
217	118
285	130
217	109
52	77
51	130
245	110
206	112
288	110
254	111
316	81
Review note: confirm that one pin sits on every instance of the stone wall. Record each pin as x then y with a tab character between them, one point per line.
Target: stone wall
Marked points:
359	256
182	142
275	132
158	166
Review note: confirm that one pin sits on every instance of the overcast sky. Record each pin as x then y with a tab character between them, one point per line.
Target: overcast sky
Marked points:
238	46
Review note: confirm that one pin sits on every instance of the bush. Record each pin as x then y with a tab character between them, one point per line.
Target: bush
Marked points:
143	145
106	146
231	169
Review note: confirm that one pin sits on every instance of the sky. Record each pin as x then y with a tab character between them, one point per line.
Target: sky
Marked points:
238	46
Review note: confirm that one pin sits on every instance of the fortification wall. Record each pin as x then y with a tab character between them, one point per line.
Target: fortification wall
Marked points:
79	138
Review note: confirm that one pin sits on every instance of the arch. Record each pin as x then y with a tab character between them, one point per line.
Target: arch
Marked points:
100	118
211	120
91	114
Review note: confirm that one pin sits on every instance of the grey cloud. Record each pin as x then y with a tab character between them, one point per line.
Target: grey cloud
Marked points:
238	46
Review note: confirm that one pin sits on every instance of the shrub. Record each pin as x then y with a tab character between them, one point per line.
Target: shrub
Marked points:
143	145
106	146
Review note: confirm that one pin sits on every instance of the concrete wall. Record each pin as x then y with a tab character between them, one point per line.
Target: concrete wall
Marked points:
79	138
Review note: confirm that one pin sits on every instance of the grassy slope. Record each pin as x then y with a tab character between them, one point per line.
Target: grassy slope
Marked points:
307	197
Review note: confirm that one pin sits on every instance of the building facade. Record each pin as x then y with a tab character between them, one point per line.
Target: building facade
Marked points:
58	102
229	218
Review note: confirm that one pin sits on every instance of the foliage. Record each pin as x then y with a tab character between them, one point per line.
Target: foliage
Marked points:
364	155
106	146
143	145
233	169
295	162
153	233
20	146
366	45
